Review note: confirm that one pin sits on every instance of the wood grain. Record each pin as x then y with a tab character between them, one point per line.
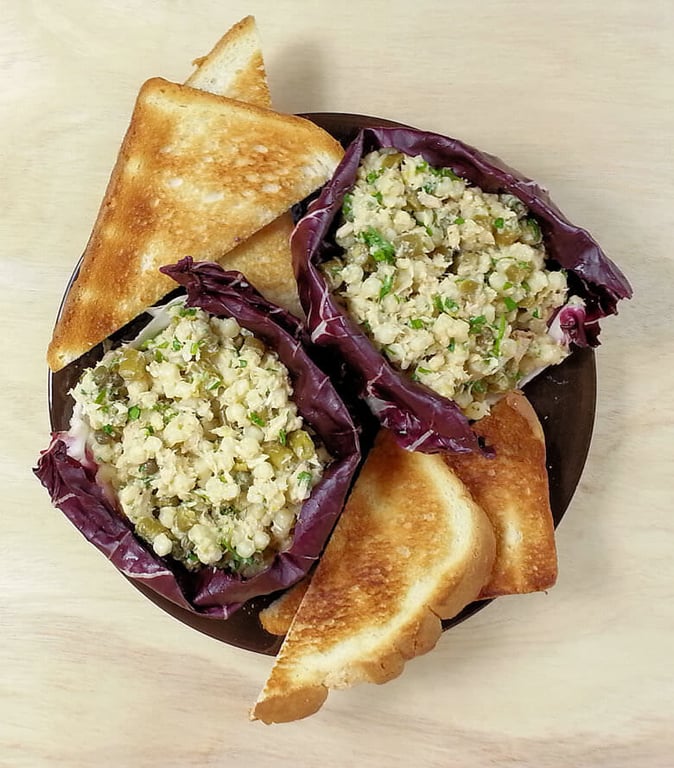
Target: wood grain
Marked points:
577	95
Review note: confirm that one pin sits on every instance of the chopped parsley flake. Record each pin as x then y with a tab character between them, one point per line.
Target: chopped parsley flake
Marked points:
535	229
444	305
386	287
445	173
257	419
347	207
380	248
500	333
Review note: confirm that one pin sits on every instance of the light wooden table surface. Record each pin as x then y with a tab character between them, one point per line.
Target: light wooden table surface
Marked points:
577	95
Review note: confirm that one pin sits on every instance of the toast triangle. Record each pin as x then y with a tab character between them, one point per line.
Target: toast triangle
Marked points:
235	66
196	175
513	489
402	557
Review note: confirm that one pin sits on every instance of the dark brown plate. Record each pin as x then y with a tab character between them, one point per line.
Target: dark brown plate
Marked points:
563	397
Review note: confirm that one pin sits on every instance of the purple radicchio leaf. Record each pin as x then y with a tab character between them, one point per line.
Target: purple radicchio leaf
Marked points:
209	591
422	419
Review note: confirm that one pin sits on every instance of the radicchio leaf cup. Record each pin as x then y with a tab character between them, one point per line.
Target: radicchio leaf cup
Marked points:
420	418
91	507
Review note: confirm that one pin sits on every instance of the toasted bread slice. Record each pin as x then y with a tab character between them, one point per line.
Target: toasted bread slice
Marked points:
235	66
196	175
512	488
277	617
403	556
266	261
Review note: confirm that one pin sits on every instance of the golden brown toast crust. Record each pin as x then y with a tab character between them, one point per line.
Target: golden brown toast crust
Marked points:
277	617
513	490
196	175
266	261
403	556
246	80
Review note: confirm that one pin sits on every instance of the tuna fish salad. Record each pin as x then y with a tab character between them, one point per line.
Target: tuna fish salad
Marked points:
449	282
196	431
